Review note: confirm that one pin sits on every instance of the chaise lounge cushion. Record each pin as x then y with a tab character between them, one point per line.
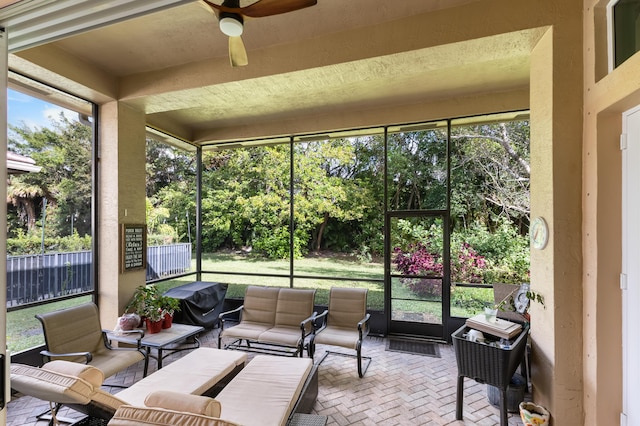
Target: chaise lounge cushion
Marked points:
74	384
195	373
265	391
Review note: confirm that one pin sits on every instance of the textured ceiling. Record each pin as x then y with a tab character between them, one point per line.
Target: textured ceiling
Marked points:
335	56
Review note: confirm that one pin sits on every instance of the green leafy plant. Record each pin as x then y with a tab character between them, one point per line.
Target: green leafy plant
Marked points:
143	301
169	305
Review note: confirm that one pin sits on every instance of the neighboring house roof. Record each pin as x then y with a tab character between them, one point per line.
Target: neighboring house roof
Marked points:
17	164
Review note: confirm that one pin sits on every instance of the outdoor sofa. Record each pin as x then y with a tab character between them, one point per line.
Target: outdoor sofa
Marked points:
273	320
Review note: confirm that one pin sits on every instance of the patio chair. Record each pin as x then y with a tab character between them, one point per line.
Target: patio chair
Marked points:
74	334
345	323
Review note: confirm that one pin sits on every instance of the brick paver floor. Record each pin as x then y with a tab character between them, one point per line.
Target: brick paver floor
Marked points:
398	389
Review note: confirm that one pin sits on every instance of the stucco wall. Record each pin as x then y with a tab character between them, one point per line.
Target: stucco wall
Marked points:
606	97
121	200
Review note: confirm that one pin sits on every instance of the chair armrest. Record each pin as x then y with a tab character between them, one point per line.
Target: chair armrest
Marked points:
364	324
323	318
224	314
50	355
139	332
134	331
304	323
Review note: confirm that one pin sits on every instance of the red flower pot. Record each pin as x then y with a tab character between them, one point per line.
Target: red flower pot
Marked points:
153	326
167	321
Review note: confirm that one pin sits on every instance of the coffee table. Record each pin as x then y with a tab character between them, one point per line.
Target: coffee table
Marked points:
171	339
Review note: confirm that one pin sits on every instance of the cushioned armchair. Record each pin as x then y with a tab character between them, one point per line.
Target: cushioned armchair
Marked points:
75	334
344	324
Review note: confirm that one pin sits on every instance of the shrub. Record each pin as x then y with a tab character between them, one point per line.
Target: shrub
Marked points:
427	288
468	266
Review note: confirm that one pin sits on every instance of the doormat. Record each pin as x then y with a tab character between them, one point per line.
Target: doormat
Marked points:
414	347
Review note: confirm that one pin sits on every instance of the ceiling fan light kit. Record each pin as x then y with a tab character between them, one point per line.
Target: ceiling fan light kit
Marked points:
231	24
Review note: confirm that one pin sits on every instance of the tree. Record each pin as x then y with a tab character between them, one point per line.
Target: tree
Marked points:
325	189
167	165
490	173
417	170
65	180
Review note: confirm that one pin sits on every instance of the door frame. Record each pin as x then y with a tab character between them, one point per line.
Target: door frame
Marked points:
438	332
630	276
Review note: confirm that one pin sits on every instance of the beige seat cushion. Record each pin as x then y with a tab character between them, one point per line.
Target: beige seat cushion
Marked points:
347	306
111	362
195	404
246	330
260	305
294	306
136	416
282	335
264	393
338	336
258	314
194	373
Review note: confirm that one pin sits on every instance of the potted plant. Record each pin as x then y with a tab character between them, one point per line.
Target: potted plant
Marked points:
142	299
169	306
154	315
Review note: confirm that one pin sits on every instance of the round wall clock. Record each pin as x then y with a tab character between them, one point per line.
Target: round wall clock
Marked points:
539	233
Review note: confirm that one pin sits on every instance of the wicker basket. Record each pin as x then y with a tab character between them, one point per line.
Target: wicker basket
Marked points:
488	364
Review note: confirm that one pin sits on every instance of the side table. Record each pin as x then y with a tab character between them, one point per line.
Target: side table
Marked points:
486	363
167	339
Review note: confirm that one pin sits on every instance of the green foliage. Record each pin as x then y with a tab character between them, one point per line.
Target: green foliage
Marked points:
417	163
490	174
275	245
168	304
470	299
146	302
505	251
63	150
338	195
23	244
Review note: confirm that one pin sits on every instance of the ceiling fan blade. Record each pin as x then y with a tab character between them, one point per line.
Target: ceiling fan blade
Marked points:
275	7
237	52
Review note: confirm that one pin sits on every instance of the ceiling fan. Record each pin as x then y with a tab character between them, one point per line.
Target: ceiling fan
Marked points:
231	14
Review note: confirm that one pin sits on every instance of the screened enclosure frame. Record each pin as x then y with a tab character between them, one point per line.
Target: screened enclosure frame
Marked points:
292	276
